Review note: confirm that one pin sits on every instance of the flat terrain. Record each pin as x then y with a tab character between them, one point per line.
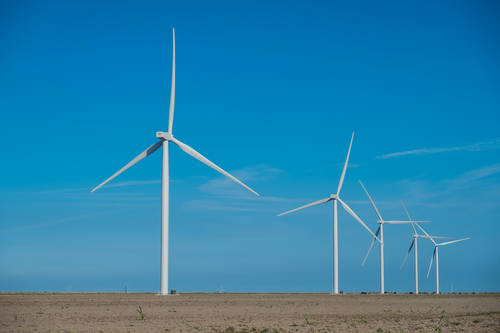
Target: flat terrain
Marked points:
227	313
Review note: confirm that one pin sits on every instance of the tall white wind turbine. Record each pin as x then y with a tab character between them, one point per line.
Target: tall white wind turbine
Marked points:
435	254
414	245
165	138
380	231
335	198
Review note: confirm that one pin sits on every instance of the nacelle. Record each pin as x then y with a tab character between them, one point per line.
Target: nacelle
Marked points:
164	135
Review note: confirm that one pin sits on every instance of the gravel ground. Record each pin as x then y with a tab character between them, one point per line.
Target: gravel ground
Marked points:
109	312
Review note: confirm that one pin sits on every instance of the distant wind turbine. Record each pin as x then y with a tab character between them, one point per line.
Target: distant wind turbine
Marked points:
435	254
165	138
380	230
414	245
335	198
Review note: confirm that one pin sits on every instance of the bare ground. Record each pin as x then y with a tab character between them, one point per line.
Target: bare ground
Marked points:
228	313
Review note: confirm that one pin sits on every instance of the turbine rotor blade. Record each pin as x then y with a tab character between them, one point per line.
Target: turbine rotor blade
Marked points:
356	217
454	241
345	166
315	203
413	227
371	200
172	88
407	253
432	258
151	149
405	222
425	232
371	246
203	159
409	218
406	210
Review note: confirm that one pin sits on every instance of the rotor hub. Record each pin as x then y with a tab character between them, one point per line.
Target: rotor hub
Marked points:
164	136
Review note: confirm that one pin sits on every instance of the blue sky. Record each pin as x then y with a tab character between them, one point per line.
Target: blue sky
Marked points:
271	93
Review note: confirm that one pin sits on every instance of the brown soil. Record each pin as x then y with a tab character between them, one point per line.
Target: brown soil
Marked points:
228	313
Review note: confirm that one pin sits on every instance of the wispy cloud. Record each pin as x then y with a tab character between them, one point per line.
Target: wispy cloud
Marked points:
211	205
87	189
455	191
49	223
474	175
226	195
134	182
224	186
478	146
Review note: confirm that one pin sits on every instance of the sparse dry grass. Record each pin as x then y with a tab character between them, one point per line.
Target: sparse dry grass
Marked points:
248	313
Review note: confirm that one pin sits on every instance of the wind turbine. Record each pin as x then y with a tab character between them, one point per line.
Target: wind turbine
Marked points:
380	230
165	138
335	198
435	254
414	245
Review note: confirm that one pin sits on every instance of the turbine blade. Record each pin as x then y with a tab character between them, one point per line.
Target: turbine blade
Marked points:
172	88
405	222
138	158
407	253
432	258
345	166
409	217
454	241
315	203
406	211
425	232
203	159
425	236
353	214
433	237
371	200
371	246
413	227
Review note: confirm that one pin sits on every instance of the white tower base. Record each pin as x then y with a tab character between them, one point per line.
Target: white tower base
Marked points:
416	264
382	288
335	250
164	220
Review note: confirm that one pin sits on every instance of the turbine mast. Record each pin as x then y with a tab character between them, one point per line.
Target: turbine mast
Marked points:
437	270
415	253
381	243
164	219
335	249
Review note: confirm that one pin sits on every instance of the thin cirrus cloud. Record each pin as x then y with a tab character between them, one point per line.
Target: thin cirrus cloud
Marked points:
226	195
476	175
478	146
455	191
22	228
224	186
133	182
111	185
206	205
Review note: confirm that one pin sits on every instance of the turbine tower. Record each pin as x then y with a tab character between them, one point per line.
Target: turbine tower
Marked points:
165	138
435	254
414	245
335	198
380	230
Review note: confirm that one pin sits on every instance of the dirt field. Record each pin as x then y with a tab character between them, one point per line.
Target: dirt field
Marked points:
248	313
